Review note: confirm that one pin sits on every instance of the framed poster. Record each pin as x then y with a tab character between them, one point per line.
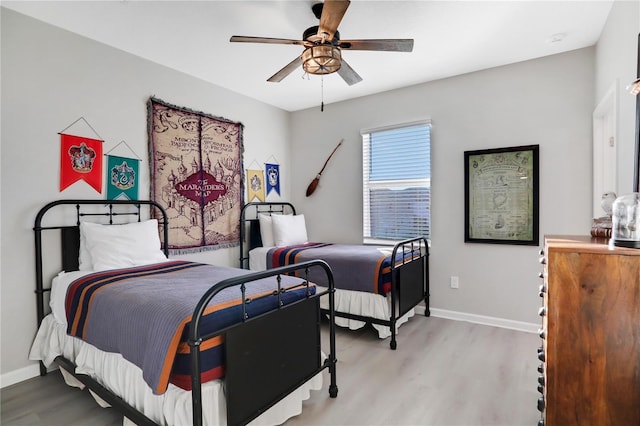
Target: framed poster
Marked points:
501	195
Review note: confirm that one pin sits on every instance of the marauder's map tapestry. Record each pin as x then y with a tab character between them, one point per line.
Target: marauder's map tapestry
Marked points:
196	175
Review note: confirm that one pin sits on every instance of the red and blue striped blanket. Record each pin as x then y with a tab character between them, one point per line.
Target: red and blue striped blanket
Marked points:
144	314
354	267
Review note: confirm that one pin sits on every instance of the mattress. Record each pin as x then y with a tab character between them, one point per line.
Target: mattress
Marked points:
354	302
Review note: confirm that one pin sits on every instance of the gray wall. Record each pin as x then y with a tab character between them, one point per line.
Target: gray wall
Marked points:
50	78
616	65
546	102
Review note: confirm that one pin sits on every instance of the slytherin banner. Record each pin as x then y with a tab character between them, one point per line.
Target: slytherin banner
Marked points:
196	175
122	178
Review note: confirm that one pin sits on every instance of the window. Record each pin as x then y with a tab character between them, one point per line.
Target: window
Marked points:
396	188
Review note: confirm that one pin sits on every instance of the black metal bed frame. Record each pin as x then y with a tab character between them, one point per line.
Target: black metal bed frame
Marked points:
409	278
280	347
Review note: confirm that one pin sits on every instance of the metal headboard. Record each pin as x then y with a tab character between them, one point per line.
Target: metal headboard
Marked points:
250	226
70	233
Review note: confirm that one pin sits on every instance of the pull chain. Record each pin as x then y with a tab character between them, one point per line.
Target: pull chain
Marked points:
322	93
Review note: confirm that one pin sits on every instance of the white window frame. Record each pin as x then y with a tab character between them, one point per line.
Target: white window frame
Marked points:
366	213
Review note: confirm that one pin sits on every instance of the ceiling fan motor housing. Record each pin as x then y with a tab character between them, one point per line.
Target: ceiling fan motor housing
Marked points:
311	34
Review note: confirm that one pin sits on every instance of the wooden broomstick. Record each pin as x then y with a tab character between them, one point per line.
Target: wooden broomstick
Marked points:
314	183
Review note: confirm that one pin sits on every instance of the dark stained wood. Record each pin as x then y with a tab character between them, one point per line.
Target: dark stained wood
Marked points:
592	345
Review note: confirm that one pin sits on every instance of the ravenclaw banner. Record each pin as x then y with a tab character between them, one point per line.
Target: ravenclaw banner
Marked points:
80	159
273	177
196	175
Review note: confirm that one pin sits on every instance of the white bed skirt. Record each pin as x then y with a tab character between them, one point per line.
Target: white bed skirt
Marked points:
353	302
125	380
365	304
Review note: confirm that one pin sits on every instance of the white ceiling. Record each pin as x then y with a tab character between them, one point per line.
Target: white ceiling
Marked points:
451	38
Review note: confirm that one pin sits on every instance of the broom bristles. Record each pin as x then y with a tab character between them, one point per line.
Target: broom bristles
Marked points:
312	186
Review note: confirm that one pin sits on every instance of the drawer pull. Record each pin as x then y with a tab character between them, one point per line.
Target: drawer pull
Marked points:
543	260
542	311
541	356
541	404
542	333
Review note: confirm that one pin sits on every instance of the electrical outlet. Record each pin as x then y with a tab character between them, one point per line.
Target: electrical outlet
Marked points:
455	282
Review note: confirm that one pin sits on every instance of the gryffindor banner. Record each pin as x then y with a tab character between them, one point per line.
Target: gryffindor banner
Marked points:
80	159
196	175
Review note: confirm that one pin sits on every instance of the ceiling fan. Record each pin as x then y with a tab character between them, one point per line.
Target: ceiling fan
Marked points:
323	46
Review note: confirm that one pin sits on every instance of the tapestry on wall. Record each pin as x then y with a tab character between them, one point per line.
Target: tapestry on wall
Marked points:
196	175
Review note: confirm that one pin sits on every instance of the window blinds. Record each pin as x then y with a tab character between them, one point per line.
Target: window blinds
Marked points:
396	182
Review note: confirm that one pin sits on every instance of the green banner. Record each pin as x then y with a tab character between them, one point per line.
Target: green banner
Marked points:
122	179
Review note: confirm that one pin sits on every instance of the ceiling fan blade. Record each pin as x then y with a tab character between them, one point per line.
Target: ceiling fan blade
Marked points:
245	39
390	45
288	69
348	74
332	13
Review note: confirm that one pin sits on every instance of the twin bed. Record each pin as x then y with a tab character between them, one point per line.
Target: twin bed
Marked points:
193	343
374	284
169	341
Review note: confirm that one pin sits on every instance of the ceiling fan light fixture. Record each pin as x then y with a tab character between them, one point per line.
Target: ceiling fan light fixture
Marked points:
321	59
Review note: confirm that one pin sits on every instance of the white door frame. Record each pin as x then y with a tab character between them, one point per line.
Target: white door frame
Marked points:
605	147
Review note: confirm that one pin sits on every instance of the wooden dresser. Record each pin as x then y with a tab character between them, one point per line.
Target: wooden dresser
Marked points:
590	350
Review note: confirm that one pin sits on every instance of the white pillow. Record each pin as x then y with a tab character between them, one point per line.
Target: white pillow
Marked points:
122	246
84	257
266	230
289	230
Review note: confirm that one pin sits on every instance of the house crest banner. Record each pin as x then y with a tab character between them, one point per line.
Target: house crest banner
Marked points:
122	178
196	175
273	177
80	159
255	179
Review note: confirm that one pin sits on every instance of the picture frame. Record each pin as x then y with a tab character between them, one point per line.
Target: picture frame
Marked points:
501	195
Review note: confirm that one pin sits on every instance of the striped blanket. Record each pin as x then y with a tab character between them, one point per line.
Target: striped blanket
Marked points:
144	314
354	267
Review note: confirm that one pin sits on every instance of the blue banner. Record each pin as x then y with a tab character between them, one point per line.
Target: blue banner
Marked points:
272	171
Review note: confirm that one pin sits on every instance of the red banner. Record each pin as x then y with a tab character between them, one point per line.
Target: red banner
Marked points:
80	159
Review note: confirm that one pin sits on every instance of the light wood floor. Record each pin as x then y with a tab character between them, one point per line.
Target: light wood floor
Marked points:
444	373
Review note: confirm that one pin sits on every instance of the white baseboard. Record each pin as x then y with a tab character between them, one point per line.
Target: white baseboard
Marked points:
20	375
484	320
